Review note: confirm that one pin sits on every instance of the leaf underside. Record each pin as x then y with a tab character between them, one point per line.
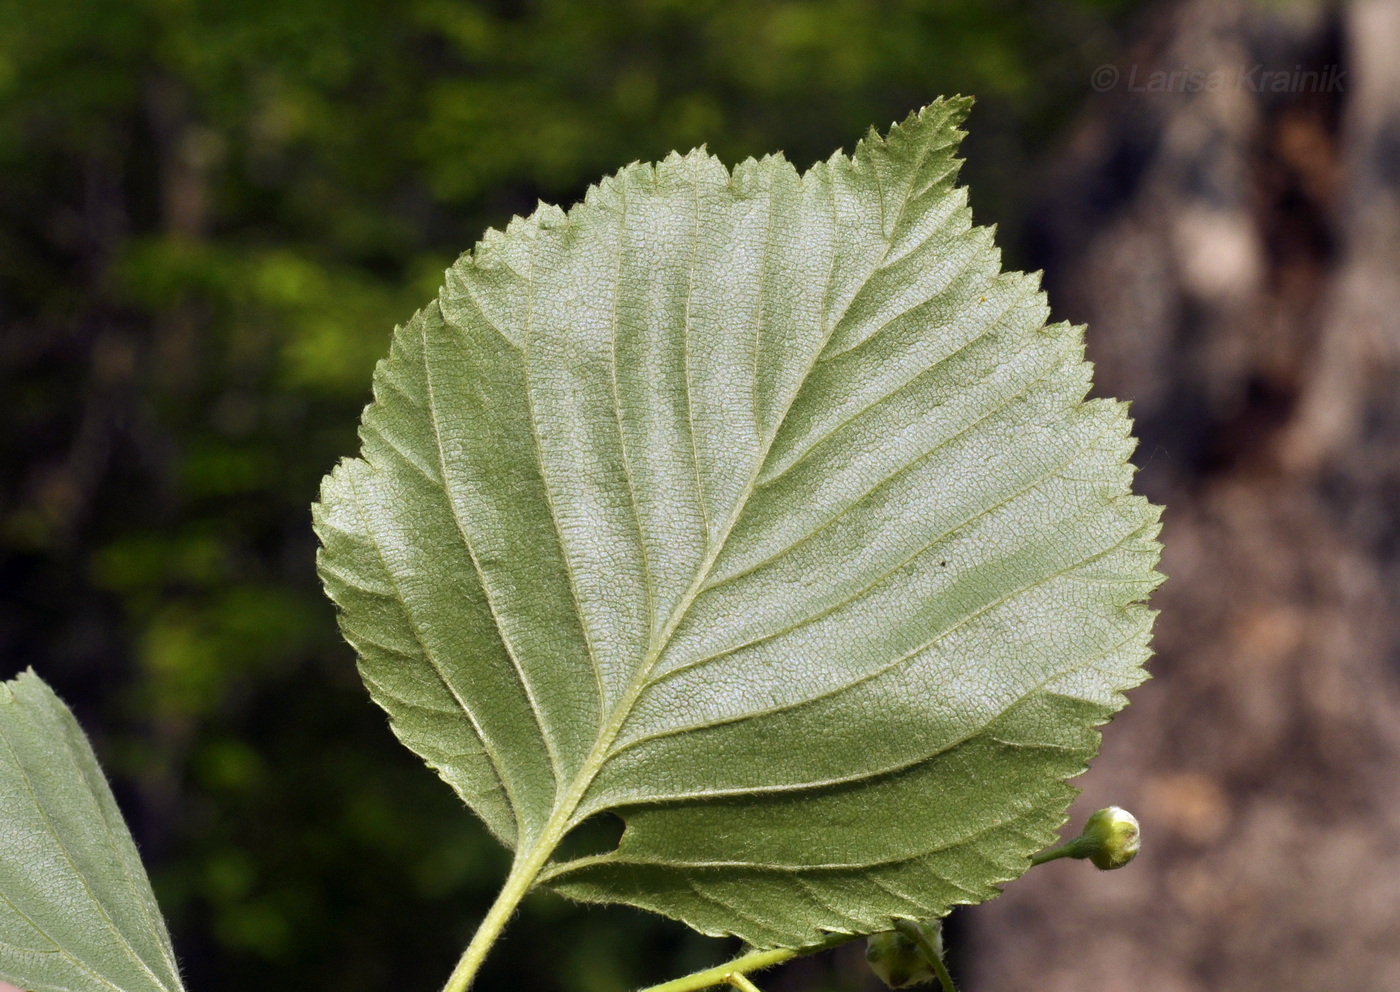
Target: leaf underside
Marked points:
76	909
760	509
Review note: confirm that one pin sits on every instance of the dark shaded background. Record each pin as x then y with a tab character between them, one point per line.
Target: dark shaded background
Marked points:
212	213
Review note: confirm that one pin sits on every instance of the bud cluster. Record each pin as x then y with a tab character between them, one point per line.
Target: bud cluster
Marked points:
896	958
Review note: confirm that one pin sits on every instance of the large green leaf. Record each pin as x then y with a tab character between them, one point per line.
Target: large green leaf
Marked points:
760	509
76	910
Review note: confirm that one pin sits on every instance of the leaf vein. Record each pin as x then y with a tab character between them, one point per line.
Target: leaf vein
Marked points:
899	471
987	330
880	577
434	663
685	363
554	510
885	667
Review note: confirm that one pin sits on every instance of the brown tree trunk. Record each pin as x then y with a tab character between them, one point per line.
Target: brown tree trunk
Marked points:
1236	255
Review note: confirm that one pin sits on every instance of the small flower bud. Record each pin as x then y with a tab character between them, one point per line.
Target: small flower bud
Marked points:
897	961
1110	838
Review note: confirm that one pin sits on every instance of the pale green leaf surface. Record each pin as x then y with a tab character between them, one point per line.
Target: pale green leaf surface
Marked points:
76	909
763	510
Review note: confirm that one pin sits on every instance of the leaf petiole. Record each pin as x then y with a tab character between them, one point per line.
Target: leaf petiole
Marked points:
737	968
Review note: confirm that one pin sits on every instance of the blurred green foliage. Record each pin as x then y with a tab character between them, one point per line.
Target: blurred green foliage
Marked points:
211	214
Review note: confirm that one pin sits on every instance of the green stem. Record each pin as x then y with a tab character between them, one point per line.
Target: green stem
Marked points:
1069	849
743	984
915	933
518	882
525	873
744	963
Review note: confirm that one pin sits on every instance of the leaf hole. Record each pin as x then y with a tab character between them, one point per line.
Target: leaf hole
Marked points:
598	834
